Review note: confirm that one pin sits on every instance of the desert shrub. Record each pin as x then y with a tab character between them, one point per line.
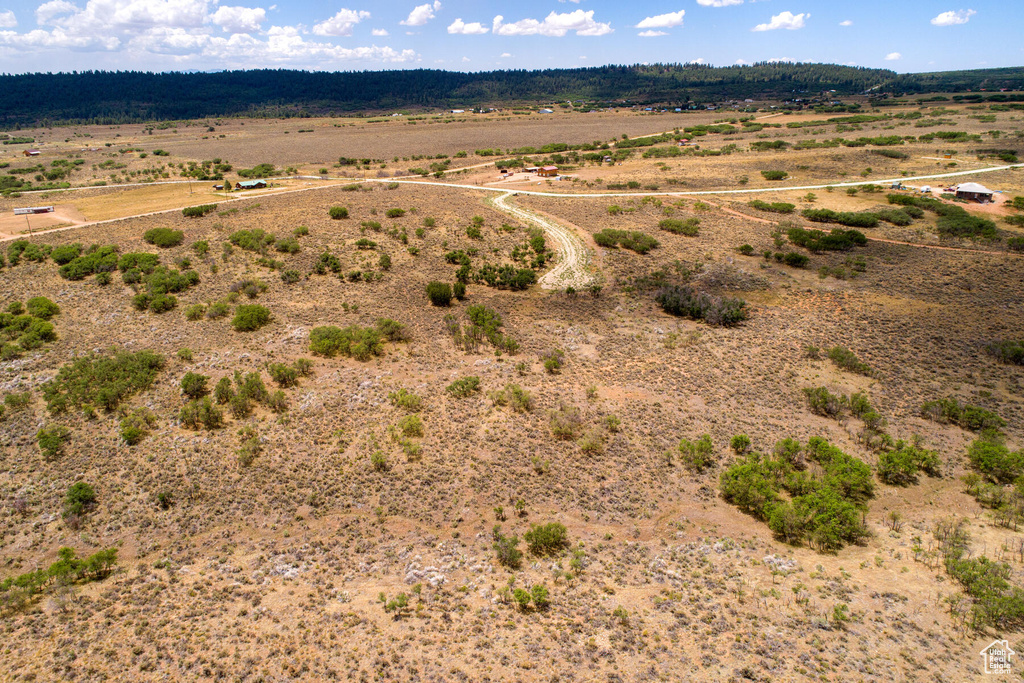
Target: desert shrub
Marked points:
41	307
288	245
79	499
164	237
201	247
141	263
745	249
406	400
965	225
520	400
290	277
193	385
505	277
284	375
51	440
255	240
818	240
636	241
198	211
795	260
217	310
740	444
863	219
698	455
772	207
553	361
224	391
900	466
250	317
774	175
440	293
251	288
360	343
411	425
394	213
136	425
963	415
687	302
66	253
459	289
277	401
464	387
689	227
195	312
201	413
565	422
895	216
393	330
101	380
507	549
94	260
822	402
1007	351
996	602
994	460
546	539
847	360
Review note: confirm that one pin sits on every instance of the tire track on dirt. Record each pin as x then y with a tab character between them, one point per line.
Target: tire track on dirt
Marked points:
573	255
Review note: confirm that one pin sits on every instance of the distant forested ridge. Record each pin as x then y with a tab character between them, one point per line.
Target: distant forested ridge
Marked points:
127	96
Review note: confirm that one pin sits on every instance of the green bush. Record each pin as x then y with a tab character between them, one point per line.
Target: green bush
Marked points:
636	241
507	549
775	175
102	381
546	539
740	444
995	460
41	307
411	425
689	227
697	455
250	317
899	467
394	213
51	440
195	312
198	211
79	499
858	220
822	402
406	400
687	302
464	387
201	413
440	293
136	425
193	385
95	260
358	342
66	253
847	360
164	237
338	212
284	375
818	240
1008	351
255	240
772	207
795	260
963	415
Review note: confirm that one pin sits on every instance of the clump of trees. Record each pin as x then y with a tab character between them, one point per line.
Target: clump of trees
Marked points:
164	237
772	207
250	317
361	343
636	241
101	381
17	591
198	211
825	507
689	227
818	240
685	301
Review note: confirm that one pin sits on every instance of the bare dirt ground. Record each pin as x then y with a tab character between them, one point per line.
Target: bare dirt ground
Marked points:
272	570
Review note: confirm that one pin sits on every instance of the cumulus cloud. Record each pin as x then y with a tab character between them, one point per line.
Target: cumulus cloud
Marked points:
846	22
670	20
340	24
183	32
719	3
953	18
652	34
379	32
239	19
786	20
462	28
421	14
893	56
554	25
8	20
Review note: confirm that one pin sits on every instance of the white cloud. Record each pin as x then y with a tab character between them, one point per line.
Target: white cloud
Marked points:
893	56
505	55
8	20
379	32
699	60
49	10
340	24
421	14
786	20
953	18
742	62
239	19
465	59
670	20
719	3
554	25
462	28
652	34
846	22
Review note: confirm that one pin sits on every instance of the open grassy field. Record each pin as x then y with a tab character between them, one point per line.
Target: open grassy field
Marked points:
274	543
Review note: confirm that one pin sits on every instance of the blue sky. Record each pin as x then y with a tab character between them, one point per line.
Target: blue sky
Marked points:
467	35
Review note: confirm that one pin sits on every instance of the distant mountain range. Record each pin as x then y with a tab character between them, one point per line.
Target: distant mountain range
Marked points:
132	97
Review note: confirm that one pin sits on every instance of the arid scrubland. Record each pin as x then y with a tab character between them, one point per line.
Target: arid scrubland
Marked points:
515	486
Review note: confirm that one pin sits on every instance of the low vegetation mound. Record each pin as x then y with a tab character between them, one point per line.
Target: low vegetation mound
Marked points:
361	343
102	381
164	237
818	240
688	302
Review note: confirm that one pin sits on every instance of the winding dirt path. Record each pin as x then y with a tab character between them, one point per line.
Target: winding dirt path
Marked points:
573	255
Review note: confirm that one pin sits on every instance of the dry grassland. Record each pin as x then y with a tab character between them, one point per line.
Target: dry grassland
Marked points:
271	571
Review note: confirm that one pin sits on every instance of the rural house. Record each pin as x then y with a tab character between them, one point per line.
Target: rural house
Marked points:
548	172
974	192
250	184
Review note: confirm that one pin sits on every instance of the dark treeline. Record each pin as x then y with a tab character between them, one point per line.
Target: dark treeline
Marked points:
127	97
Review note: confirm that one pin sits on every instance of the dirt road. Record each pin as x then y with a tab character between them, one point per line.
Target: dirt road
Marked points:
572	269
